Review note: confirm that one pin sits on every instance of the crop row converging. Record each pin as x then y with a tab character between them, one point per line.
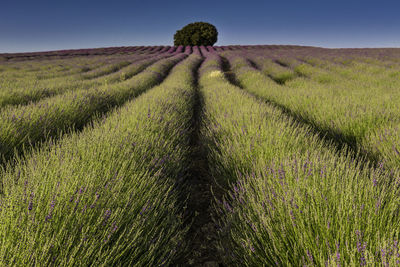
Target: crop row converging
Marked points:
301	147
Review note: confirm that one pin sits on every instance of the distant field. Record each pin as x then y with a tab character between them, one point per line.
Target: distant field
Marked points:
265	155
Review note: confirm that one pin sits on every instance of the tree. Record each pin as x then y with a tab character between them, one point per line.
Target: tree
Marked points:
197	33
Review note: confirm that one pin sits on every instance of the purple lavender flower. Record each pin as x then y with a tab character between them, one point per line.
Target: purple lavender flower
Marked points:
292	216
361	250
114	227
227	206
236	189
50	215
30	206
310	257
106	216
337	254
281	172
323	170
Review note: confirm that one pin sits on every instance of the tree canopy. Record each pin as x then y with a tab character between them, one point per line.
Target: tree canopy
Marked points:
197	33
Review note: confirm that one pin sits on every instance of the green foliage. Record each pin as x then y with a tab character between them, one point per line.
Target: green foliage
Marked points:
197	33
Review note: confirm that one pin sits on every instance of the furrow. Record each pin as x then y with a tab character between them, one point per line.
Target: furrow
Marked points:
201	237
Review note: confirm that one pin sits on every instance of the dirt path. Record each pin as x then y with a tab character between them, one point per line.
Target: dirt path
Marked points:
202	234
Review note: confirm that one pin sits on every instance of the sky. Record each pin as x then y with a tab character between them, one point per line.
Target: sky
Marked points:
38	25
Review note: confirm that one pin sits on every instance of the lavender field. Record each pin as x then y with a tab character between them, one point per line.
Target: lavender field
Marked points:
265	155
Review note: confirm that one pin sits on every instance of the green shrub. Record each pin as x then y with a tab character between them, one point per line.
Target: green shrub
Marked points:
197	33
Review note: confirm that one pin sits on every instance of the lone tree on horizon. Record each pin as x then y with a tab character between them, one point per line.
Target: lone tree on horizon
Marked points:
197	33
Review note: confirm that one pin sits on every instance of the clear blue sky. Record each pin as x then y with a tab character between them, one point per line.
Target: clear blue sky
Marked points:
37	25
